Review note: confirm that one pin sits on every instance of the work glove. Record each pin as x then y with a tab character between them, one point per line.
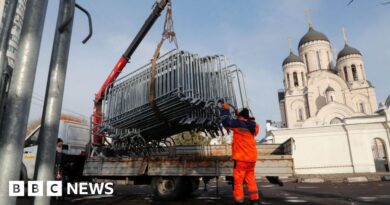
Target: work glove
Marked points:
225	106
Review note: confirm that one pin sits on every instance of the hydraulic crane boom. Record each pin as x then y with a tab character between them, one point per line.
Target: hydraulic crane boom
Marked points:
97	111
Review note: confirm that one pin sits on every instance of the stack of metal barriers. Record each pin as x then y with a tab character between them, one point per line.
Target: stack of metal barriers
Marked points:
187	90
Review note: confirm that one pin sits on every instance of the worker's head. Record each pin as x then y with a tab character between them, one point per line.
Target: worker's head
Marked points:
244	113
60	142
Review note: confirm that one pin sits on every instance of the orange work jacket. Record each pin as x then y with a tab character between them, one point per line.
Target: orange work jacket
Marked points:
244	144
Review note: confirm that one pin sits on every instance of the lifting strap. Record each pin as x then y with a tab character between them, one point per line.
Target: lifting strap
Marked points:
168	33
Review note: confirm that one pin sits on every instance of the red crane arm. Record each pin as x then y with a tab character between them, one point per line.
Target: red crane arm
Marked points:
97	111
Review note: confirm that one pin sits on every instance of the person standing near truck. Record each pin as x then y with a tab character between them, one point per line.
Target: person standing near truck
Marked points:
57	167
244	153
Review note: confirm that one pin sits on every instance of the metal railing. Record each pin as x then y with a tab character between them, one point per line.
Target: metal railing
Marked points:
187	90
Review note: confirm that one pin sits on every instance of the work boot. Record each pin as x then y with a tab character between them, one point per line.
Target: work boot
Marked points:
255	202
238	203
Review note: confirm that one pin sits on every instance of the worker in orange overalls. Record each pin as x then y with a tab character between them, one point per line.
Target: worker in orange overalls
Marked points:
244	153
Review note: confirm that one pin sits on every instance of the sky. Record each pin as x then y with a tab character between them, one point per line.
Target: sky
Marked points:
251	33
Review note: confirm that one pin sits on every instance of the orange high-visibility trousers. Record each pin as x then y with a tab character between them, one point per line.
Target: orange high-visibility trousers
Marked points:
244	171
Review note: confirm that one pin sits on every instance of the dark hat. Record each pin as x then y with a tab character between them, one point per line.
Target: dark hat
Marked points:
244	113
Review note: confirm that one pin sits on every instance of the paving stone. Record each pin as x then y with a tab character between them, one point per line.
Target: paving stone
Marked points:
313	180
356	179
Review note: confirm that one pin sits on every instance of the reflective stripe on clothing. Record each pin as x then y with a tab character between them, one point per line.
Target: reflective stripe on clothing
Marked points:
244	144
244	133
253	195
244	171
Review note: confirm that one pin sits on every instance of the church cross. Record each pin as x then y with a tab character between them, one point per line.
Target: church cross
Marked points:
308	16
345	35
289	43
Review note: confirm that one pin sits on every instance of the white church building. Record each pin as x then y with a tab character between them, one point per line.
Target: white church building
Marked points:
329	108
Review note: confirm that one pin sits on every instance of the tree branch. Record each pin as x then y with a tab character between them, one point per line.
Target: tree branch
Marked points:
383	3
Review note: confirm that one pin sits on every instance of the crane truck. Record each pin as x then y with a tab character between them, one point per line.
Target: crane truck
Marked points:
175	171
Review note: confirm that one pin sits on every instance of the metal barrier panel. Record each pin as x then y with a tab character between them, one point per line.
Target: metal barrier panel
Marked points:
187	90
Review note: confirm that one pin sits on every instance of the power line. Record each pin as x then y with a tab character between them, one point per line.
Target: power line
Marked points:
36	97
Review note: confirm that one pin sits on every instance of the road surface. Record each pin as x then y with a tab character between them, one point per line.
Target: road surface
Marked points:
290	193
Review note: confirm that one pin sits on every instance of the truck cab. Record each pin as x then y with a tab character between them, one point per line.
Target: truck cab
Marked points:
75	135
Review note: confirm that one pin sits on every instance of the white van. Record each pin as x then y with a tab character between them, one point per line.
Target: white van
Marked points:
75	135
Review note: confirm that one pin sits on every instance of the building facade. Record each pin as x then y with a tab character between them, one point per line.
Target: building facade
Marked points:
329	110
319	90
358	145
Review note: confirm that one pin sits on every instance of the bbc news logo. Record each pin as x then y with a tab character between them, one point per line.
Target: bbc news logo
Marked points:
55	188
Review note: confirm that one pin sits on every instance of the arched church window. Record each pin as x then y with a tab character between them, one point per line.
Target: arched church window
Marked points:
307	62
303	78
300	114
288	80
378	147
346	73
330	64
354	72
295	76
331	98
361	108
318	60
336	120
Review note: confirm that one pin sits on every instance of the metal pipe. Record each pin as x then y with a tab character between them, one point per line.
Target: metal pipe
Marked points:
18	102
189	106
53	100
5	35
349	147
89	23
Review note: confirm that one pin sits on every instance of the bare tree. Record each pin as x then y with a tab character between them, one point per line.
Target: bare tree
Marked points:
383	3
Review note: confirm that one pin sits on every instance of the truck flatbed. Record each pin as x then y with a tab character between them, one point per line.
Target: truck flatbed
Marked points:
273	160
176	170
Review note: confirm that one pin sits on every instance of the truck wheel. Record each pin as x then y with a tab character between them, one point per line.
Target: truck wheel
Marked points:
23	174
167	188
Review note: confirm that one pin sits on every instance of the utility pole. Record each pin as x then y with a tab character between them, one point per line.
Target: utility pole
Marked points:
17	106
44	167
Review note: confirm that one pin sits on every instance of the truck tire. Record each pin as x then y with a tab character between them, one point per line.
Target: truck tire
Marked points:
167	188
23	174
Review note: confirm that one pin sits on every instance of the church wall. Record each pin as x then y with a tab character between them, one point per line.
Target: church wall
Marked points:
361	144
347	62
282	108
362	132
367	96
342	148
293	104
289	70
318	83
318	150
372	98
311	49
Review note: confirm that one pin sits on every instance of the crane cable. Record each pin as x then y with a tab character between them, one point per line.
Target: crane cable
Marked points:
168	33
